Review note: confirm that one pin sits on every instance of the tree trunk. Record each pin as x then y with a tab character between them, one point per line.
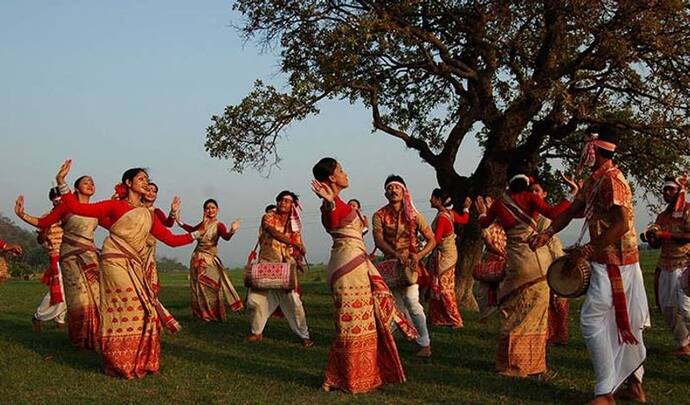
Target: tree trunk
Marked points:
489	179
470	246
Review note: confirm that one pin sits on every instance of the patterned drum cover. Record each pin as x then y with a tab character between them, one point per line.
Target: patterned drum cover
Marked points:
271	276
490	271
390	271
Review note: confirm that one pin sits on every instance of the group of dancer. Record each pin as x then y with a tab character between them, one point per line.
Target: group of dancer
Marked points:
111	295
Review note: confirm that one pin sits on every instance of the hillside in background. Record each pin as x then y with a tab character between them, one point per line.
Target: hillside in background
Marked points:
34	257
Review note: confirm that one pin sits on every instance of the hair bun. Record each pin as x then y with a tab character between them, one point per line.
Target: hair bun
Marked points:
121	190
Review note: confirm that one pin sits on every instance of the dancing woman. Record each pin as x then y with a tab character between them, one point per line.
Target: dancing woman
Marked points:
79	263
523	295
211	286
443	309
363	355
150	264
130	326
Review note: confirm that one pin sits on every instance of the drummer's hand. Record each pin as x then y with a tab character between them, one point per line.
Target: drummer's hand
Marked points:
539	240
584	251
413	260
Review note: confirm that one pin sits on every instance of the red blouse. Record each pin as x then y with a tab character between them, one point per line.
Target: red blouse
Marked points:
61	211
332	219
444	227
461	219
109	211
529	202
223	231
164	218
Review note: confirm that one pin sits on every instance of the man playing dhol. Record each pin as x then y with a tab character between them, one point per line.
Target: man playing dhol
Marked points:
615	310
395	233
671	233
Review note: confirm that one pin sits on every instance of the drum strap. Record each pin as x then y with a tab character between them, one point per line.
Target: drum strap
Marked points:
589	207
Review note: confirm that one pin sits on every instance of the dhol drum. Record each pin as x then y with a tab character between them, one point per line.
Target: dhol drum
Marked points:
395	274
569	276
490	270
270	276
390	271
4	270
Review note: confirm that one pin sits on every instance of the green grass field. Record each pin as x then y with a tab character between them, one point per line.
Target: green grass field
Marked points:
212	363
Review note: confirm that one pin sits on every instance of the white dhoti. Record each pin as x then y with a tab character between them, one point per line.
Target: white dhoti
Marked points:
614	362
407	301
262	303
675	305
58	312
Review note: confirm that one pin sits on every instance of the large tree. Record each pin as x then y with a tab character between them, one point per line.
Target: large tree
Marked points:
524	77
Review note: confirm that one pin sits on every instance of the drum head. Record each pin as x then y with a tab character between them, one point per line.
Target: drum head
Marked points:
565	278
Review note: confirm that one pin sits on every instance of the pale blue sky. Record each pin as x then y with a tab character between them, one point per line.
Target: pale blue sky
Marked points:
117	84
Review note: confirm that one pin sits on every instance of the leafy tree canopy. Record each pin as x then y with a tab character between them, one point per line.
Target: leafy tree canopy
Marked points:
524	77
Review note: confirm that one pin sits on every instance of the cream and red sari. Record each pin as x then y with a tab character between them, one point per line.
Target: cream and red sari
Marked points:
79	263
523	297
211	287
129	321
363	355
443	309
153	285
559	307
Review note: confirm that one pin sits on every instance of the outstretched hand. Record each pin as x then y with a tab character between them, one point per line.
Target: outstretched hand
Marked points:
322	190
63	171
13	249
19	206
467	204
571	182
480	205
235	225
175	205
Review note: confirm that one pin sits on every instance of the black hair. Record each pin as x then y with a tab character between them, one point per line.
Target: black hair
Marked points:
209	201
392	178
324	168
356	201
607	133
77	181
53	193
269	208
520	184
443	196
130	174
669	178
284	193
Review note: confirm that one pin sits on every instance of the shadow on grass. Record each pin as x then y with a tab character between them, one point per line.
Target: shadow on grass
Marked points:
50	344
